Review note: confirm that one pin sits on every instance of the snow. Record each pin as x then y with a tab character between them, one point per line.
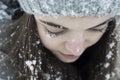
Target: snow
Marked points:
1	79
3	14
107	65
109	55
3	6
31	64
8	77
118	72
12	34
112	44
20	56
107	76
37	42
50	35
47	76
59	78
113	74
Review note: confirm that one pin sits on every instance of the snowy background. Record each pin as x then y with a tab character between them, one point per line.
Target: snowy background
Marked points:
7	12
3	14
8	8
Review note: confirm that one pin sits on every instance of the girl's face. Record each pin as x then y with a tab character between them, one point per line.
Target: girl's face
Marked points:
68	37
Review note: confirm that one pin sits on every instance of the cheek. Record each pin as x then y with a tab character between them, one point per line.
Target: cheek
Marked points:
50	43
93	38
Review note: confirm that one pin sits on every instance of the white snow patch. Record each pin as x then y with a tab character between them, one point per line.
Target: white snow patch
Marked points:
1	79
31	0
109	55
112	44
107	76
117	72
2	73
30	64
20	56
2	6
37	42
3	14
106	65
50	35
12	34
59	78
113	74
8	77
47	76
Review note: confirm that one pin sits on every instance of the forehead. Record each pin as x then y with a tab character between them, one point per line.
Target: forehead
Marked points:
69	20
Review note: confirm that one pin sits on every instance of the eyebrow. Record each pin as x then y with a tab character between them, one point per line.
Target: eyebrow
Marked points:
59	26
53	24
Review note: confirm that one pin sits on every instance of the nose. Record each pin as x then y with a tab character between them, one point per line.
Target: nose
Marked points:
75	46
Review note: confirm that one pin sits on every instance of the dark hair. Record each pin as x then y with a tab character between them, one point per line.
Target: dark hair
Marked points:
22	44
98	61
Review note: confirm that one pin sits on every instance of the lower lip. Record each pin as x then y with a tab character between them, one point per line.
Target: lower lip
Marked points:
69	56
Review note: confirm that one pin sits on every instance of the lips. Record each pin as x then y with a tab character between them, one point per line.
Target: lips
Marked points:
70	56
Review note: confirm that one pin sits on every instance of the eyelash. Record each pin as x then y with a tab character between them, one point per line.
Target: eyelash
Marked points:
93	30
98	30
54	33
61	32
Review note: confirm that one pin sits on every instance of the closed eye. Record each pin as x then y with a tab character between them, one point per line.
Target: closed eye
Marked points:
53	28
53	25
100	27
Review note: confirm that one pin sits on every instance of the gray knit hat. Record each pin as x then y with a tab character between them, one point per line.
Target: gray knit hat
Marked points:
71	7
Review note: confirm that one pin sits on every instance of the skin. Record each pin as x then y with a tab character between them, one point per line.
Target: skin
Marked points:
76	35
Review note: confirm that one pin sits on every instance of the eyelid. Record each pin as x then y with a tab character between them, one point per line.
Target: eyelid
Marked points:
102	24
53	32
56	33
98	28
53	29
61	30
53	24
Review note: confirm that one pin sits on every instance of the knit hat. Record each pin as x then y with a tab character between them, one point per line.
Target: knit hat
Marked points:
71	7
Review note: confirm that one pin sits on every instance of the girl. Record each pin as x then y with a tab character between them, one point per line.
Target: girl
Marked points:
61	40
